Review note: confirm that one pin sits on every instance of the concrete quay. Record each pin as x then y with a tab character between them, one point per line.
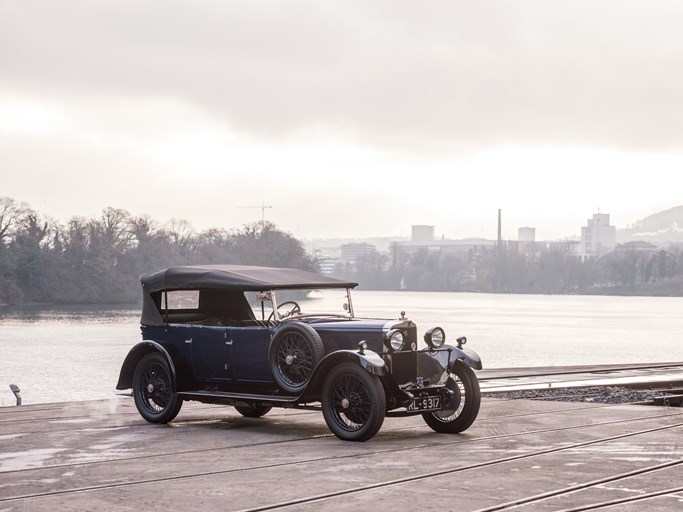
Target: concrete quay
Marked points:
637	376
521	454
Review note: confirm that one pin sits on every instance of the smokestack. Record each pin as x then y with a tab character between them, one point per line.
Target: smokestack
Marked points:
500	230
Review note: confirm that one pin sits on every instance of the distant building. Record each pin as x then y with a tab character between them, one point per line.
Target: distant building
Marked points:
526	240
597	237
327	266
636	246
526	234
566	246
423	239
422	233
351	252
442	246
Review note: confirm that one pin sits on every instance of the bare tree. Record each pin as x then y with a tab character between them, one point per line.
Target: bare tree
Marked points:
11	213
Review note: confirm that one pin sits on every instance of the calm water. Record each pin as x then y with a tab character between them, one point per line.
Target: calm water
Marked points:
75	353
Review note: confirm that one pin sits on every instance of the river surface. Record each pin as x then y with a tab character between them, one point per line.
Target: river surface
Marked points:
69	353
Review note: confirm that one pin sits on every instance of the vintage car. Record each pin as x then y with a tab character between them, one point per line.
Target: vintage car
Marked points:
259	337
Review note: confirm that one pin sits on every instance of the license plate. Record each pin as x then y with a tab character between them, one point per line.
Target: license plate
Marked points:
429	403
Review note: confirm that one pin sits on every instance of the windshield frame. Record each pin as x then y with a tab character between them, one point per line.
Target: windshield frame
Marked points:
275	297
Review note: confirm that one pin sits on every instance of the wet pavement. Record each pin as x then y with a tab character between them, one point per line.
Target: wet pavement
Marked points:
532	455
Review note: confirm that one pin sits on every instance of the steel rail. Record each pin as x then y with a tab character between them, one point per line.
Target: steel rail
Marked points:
181	420
355	490
621	501
444	472
582	486
389	450
515	373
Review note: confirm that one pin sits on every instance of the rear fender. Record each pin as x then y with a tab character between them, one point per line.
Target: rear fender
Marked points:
138	352
368	360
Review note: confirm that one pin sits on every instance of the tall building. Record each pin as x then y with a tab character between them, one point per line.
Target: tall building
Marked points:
526	234
526	240
422	233
598	237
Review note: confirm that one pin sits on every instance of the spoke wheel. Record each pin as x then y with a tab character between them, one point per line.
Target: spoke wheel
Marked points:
354	403
295	351
253	411
153	390
463	407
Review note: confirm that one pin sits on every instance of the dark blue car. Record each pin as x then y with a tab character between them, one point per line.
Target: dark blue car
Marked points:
259	337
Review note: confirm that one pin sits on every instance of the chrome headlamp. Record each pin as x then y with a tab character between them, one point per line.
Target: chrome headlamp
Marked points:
395	340
435	337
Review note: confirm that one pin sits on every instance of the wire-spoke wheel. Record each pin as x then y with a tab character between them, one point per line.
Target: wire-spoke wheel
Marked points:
295	351
461	410
253	411
153	391
354	403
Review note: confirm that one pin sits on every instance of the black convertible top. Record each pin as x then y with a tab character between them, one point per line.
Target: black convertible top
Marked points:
237	277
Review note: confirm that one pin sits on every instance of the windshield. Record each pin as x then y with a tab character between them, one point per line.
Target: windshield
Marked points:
292	303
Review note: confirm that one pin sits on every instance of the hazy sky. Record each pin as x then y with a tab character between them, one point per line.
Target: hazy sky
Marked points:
349	118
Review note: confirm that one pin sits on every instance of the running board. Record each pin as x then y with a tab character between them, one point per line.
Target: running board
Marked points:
216	396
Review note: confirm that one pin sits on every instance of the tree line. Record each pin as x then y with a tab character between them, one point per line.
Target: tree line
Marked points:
99	260
629	270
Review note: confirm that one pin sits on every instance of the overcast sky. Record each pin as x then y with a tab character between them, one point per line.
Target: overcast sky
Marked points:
349	118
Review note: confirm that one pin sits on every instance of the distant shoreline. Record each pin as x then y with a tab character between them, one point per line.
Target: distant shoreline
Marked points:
596	292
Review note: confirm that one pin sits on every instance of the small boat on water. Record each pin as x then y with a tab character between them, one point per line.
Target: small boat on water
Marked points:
315	294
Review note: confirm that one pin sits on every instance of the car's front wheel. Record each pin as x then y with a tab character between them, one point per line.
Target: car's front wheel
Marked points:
153	391
353	403
462	408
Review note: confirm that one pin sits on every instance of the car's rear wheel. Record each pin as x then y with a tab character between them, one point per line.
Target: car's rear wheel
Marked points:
295	351
253	411
353	403
462	409
153	391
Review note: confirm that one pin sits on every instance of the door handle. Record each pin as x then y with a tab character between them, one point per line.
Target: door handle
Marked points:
229	342
189	342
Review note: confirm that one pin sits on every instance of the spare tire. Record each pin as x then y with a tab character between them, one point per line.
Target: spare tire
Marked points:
294	352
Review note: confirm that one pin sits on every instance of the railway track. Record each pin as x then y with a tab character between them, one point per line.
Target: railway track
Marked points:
662	376
215	449
565	491
341	458
505	438
529	500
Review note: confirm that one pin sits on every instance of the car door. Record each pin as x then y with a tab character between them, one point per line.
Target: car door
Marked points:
210	358
248	353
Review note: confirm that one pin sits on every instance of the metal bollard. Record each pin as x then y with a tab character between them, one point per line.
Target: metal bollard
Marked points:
15	390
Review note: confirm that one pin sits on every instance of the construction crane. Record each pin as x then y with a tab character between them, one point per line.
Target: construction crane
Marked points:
263	212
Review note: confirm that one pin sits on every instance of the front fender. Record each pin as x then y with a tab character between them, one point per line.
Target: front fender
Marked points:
466	355
134	355
369	360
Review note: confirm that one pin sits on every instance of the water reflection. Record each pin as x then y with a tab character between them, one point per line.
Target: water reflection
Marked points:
75	352
103	313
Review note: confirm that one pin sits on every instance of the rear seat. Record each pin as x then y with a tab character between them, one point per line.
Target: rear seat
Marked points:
248	323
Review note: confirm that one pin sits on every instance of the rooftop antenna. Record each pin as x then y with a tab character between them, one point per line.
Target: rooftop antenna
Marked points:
263	212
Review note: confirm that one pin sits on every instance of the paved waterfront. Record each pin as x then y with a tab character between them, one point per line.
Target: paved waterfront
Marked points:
101	455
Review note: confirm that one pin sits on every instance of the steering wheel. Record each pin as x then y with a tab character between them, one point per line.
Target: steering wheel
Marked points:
295	308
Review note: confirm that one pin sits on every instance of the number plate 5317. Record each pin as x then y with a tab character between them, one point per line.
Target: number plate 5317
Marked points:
429	403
